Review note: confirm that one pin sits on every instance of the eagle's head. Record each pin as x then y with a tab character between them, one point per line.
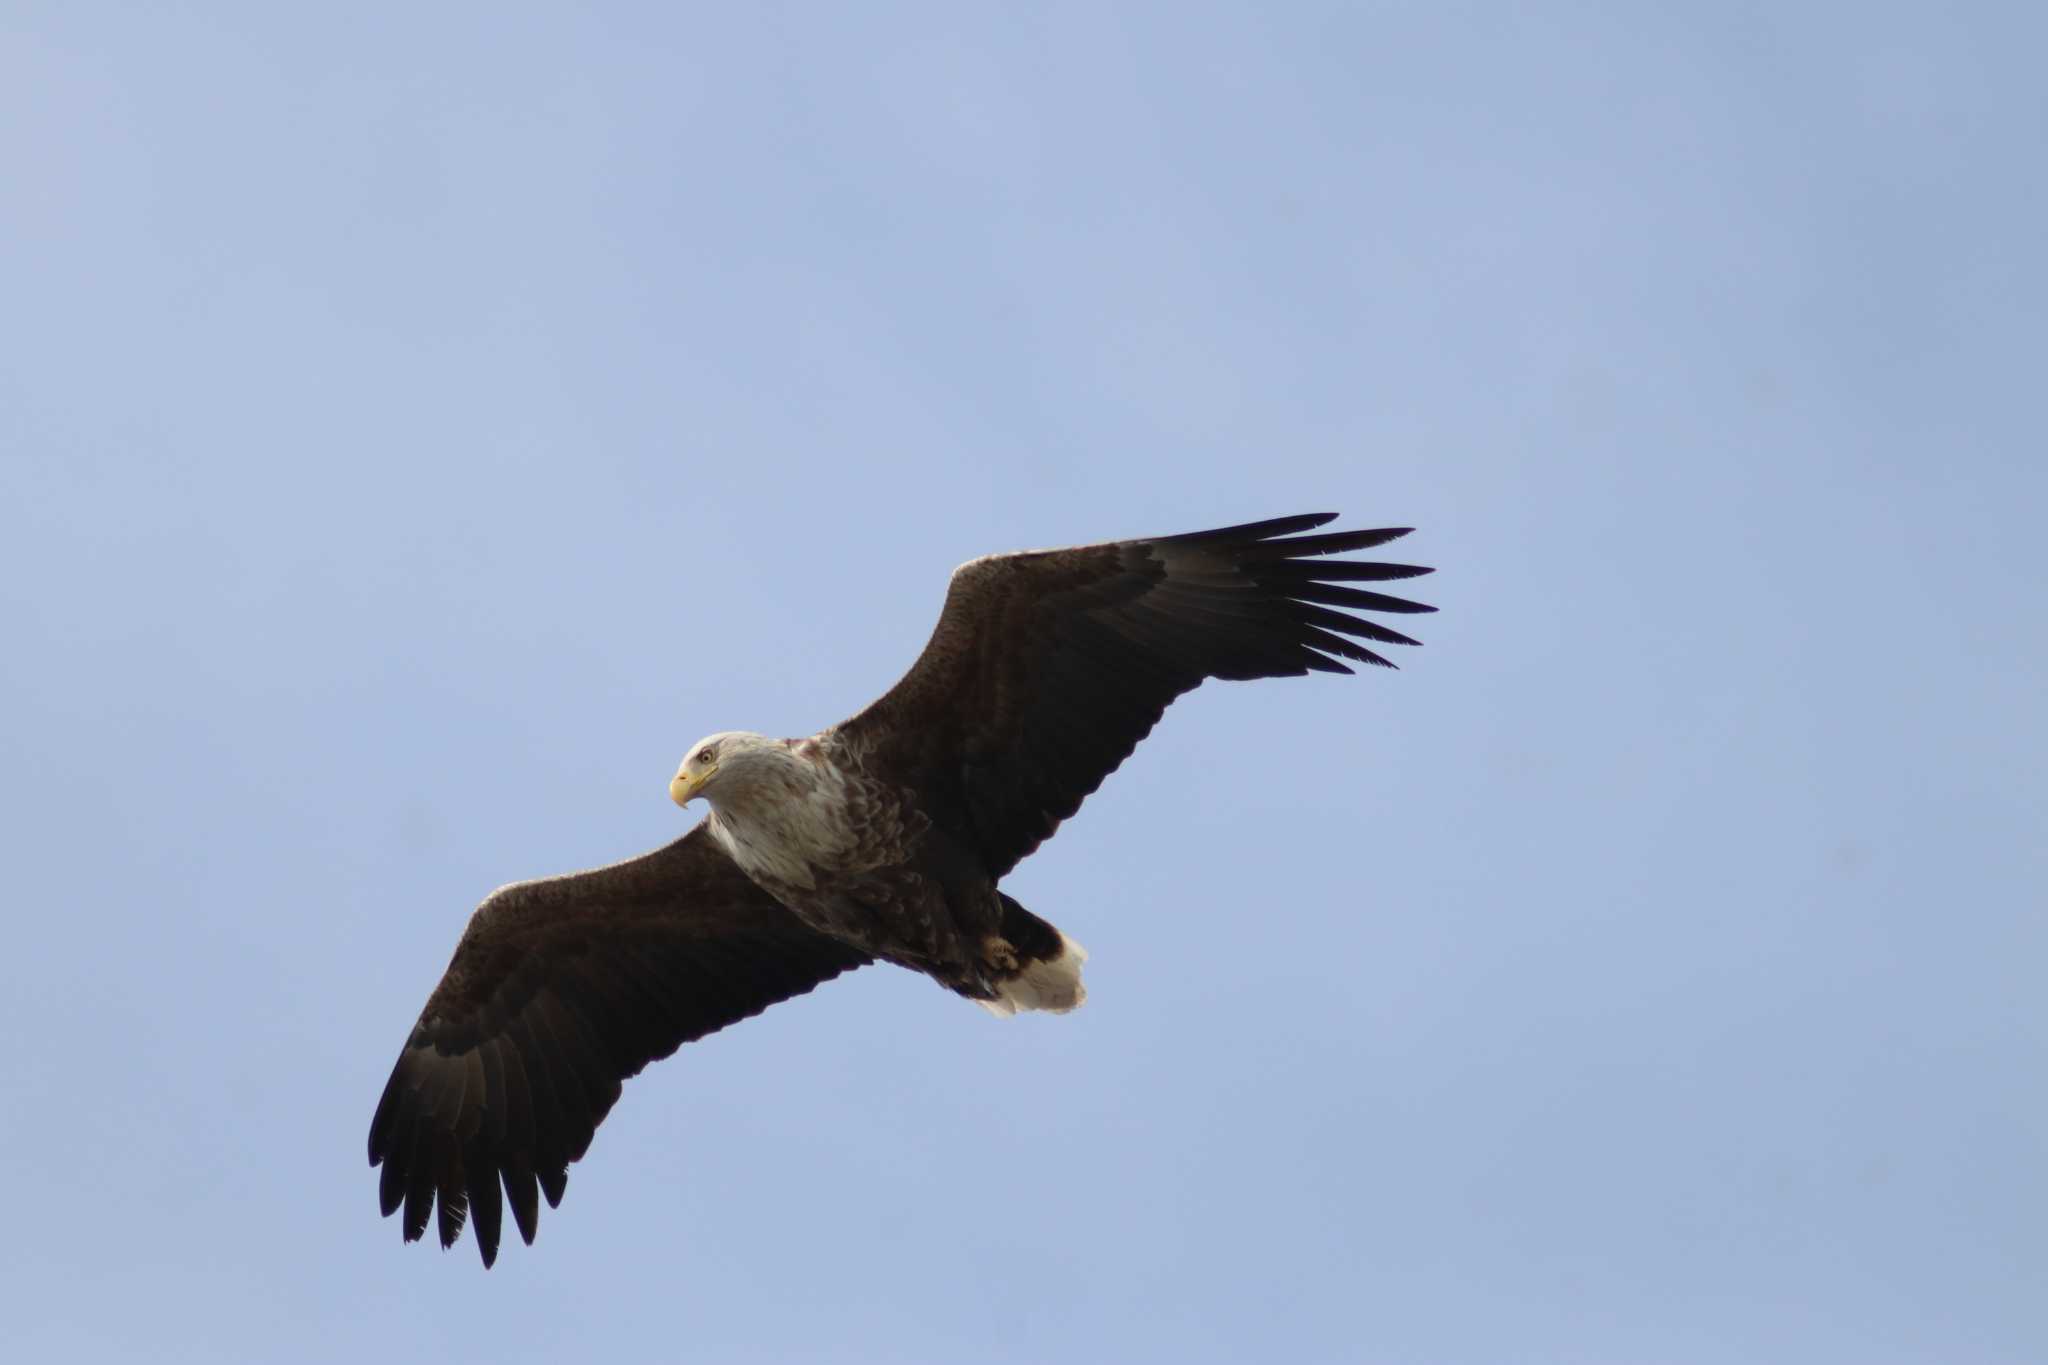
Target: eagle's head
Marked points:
724	760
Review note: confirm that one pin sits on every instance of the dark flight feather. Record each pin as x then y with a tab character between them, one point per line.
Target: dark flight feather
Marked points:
508	1072
1048	666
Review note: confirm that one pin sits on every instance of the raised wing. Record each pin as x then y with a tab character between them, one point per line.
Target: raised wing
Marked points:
560	990
1048	667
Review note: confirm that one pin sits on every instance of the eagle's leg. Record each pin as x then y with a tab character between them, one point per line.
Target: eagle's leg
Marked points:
999	953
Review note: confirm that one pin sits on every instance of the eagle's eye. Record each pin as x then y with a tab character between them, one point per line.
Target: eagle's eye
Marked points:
704	755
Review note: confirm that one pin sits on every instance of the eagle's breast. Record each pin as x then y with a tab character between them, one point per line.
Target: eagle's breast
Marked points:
802	822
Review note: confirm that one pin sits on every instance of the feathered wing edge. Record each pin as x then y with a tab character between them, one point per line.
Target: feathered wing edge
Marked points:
1047	667
560	990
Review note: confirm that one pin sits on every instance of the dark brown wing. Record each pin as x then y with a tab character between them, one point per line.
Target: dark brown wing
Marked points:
559	990
1048	667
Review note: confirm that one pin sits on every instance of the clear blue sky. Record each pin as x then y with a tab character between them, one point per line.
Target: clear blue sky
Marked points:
418	423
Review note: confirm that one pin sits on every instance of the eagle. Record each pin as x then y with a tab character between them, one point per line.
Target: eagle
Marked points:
881	838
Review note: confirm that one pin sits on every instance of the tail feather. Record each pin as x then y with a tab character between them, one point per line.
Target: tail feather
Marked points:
1048	975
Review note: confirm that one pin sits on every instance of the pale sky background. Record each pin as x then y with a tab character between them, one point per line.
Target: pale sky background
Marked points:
418	423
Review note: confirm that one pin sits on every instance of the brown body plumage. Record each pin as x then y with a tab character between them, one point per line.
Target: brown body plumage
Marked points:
883	837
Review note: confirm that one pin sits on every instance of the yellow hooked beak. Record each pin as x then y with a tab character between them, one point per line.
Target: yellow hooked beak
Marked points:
683	789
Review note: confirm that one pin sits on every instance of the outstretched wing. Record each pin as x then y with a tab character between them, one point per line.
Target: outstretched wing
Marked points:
1048	667
560	990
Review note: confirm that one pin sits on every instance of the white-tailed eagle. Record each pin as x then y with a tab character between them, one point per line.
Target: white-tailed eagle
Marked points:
880	838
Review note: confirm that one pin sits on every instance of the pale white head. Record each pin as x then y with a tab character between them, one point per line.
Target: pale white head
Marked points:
724	760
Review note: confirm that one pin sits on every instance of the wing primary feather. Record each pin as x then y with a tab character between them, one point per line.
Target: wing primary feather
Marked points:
1317	638
1284	574
1335	596
1322	663
1358	570
1350	625
522	1191
1330	543
421	1165
1229	606
454	1191
486	1208
391	1183
389	1106
1250	530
